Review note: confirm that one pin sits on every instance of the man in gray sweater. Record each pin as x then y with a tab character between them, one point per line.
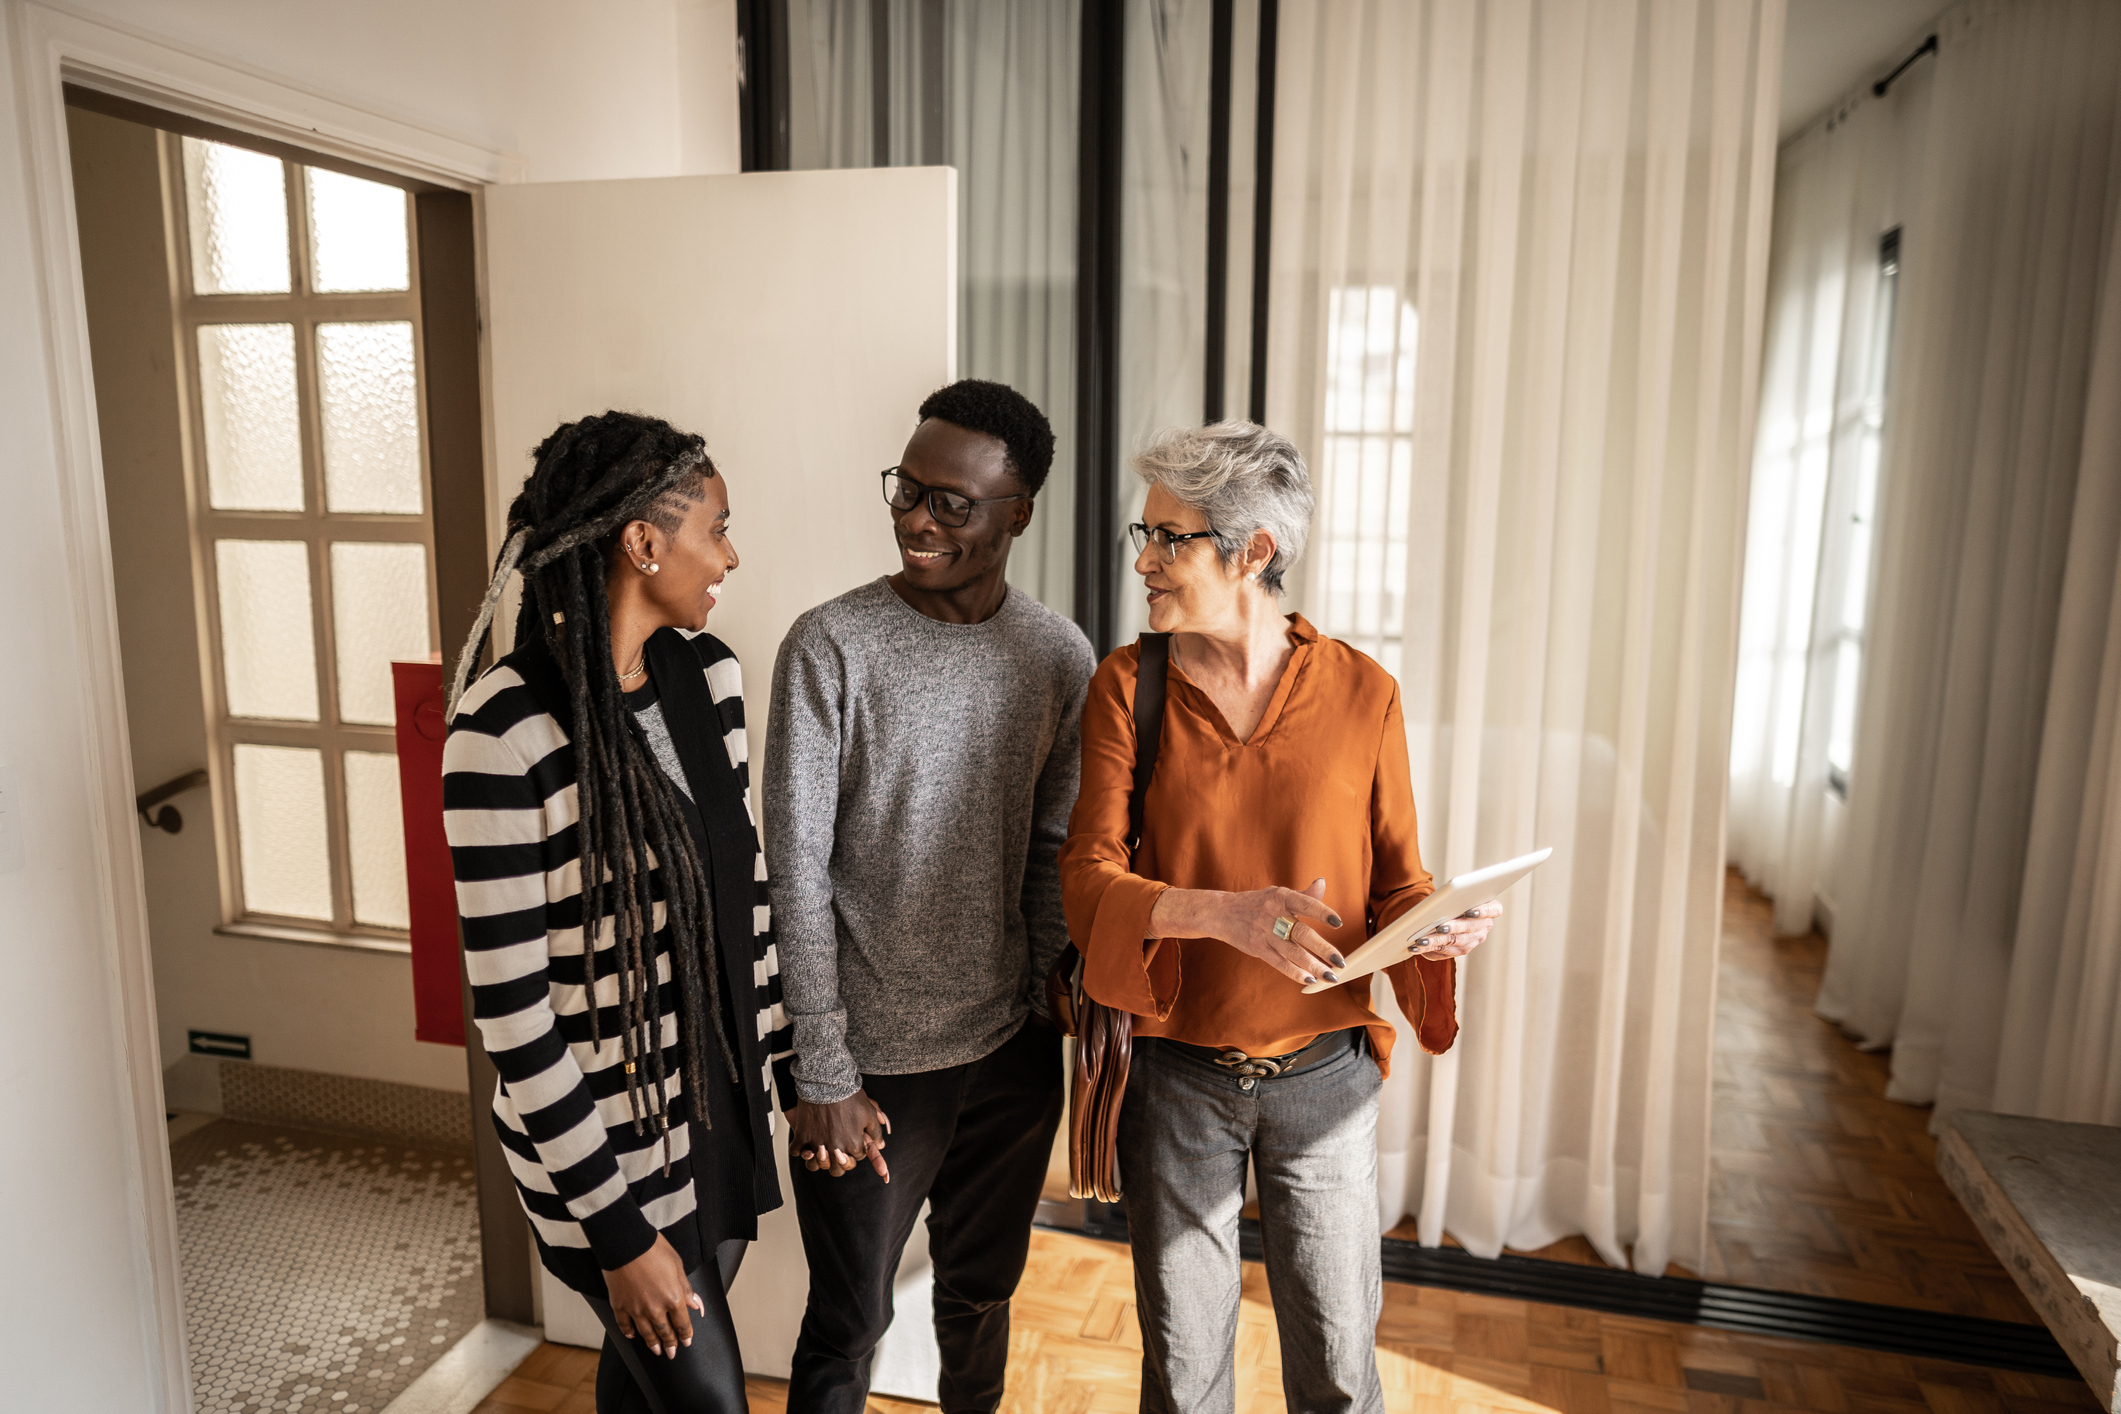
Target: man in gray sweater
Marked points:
921	764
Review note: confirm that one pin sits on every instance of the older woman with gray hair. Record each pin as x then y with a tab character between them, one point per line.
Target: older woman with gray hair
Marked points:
1278	833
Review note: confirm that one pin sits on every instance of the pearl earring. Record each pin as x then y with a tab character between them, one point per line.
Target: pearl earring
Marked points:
650	567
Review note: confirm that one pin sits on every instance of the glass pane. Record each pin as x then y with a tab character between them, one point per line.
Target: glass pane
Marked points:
992	89
371	418
1366	470
253	430
268	644
375	839
378	613
280	826
1841	735
356	234
237	205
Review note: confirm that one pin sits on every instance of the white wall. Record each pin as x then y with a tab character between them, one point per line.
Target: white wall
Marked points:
577	88
593	88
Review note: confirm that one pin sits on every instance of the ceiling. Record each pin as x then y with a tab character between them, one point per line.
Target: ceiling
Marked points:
1831	46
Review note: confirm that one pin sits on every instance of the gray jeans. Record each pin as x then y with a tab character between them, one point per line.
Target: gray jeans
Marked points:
1186	1131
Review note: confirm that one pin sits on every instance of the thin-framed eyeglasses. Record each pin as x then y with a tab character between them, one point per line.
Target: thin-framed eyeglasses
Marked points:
1166	543
902	493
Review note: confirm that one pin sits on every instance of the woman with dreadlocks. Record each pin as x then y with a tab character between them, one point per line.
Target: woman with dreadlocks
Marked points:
608	879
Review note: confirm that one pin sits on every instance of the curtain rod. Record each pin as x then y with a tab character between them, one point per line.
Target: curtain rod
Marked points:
1928	46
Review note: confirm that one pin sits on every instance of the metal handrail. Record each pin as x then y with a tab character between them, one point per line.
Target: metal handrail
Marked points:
168	818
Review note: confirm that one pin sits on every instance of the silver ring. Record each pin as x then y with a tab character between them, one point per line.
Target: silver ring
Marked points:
1284	926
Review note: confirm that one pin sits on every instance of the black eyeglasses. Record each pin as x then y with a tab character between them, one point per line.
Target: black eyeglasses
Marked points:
1166	543
902	493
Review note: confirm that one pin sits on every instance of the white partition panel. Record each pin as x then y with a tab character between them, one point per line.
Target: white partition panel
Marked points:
795	320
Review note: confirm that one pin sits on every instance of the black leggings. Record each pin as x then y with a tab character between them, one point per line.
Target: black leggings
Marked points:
708	1375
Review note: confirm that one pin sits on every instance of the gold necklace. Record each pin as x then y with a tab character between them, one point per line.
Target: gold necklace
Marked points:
640	665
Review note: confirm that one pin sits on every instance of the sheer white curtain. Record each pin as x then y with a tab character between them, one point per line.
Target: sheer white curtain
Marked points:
1839	188
2060	1054
2006	253
1519	257
990	87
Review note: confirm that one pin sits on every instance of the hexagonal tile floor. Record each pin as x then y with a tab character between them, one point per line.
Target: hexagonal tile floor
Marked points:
321	1272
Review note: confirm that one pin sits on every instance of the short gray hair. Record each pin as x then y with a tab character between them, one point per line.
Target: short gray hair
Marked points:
1243	478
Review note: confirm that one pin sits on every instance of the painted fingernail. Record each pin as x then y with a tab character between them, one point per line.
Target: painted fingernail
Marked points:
1339	961
1332	977
655	1349
1334	919
1309	979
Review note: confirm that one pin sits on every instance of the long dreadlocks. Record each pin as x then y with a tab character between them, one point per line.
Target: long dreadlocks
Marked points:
591	479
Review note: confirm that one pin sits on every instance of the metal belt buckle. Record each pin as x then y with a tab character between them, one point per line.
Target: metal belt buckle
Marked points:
1251	1067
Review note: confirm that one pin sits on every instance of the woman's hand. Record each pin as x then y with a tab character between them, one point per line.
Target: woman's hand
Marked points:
1246	922
1460	935
650	1298
837	1136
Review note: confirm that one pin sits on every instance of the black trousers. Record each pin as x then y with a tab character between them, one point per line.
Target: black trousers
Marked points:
707	1377
972	1141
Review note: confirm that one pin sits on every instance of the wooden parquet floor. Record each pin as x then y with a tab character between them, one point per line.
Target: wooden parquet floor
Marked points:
1076	1350
1818	1183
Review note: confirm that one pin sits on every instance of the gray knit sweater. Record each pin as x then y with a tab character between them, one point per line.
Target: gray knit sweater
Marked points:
919	777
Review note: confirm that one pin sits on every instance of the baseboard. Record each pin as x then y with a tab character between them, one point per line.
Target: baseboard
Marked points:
306	1099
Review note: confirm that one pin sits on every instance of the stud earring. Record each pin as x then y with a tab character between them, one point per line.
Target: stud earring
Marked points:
650	567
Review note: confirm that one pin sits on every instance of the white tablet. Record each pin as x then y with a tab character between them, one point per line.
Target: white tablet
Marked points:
1463	893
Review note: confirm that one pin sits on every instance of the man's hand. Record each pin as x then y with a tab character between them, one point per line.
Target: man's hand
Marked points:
650	1298
837	1136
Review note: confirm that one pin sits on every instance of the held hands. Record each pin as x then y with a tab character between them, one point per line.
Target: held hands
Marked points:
650	1298
1248	922
836	1137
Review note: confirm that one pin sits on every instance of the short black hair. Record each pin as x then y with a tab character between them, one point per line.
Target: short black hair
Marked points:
1004	414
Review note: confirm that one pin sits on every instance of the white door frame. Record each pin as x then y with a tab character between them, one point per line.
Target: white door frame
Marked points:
53	47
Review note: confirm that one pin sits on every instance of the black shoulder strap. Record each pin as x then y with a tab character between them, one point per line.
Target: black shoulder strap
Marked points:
1148	727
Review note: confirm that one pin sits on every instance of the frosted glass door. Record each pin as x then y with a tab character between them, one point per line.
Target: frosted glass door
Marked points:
795	320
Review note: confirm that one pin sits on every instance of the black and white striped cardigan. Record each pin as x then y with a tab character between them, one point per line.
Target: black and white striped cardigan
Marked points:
595	1191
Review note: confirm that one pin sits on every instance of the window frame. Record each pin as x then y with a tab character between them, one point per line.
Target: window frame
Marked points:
1872	422
1372	416
315	527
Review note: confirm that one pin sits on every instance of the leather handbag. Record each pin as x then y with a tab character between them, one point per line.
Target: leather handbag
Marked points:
1104	1036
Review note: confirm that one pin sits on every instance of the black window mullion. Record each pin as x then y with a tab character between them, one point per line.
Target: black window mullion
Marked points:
1223	38
1263	204
1097	320
762	84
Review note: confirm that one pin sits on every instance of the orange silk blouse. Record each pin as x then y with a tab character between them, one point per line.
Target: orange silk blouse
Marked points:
1321	789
